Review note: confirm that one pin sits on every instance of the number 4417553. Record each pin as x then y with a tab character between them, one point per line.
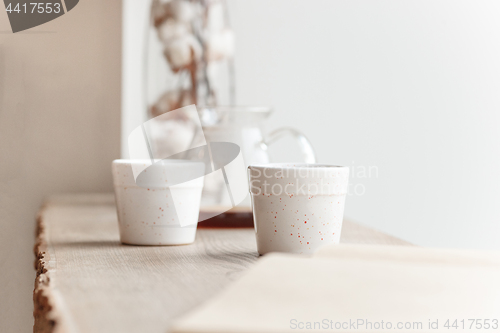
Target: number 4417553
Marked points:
34	7
472	324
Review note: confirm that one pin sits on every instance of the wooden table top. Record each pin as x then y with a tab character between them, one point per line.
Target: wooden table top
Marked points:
87	281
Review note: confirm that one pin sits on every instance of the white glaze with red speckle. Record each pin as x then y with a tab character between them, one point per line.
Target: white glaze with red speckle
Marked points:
306	214
151	215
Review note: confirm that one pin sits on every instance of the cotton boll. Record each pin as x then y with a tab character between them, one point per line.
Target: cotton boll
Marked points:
215	17
159	12
171	29
220	45
180	51
182	10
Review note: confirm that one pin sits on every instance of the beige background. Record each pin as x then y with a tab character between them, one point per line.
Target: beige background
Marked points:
59	130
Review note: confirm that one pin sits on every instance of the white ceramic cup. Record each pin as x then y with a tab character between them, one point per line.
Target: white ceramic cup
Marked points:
297	208
158	210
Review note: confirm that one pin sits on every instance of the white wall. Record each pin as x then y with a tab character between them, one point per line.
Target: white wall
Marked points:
410	87
59	131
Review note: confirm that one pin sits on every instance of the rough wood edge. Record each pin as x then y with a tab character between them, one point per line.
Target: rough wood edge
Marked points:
44	313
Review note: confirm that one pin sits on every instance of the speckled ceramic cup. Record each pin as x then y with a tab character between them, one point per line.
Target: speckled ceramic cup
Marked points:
152	210
297	208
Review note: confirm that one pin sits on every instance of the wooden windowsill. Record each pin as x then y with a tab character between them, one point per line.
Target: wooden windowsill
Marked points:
87	281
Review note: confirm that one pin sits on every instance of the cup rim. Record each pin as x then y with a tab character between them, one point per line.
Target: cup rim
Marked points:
133	173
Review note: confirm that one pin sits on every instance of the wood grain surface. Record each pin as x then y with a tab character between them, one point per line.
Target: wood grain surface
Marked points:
87	281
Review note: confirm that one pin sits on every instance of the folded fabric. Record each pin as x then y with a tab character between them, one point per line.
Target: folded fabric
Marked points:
358	288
